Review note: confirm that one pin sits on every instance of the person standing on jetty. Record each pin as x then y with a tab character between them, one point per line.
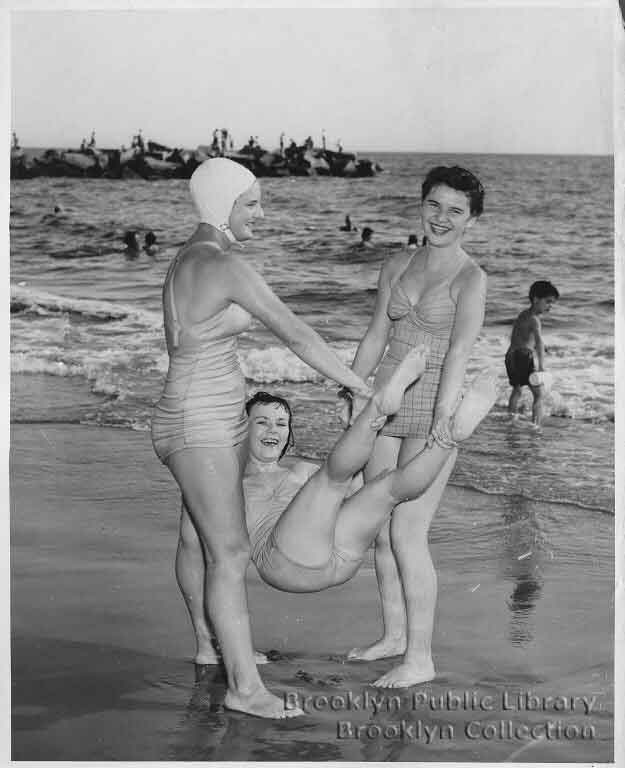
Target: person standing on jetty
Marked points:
199	425
525	340
434	296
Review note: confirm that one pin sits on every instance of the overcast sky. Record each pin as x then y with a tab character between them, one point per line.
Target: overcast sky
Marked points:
472	79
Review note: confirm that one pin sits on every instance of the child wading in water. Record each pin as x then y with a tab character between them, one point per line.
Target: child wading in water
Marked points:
526	344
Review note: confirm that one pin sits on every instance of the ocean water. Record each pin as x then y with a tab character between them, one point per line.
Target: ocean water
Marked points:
82	310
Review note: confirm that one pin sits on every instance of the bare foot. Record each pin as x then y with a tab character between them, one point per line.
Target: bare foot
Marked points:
476	403
205	657
389	397
406	674
261	703
381	650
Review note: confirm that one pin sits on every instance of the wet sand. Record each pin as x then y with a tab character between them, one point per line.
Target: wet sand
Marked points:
101	641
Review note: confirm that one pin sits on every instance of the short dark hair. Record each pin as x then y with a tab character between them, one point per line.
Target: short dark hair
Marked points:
267	398
366	233
457	178
541	289
413	240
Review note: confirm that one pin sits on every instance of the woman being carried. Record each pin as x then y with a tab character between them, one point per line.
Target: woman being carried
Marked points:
306	532
199	426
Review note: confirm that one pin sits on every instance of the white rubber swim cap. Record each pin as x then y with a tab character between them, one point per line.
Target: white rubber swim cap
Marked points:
215	185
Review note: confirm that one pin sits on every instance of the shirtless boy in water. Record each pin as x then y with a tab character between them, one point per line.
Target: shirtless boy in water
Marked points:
526	354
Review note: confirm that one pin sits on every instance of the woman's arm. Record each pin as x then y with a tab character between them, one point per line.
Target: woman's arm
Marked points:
247	288
373	343
467	324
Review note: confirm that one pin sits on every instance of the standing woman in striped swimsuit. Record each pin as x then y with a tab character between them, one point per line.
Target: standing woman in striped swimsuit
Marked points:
199	426
433	296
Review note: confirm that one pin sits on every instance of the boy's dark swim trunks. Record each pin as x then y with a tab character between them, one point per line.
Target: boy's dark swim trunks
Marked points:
519	365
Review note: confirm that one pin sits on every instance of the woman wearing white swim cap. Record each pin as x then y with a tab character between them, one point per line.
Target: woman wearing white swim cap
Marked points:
199	426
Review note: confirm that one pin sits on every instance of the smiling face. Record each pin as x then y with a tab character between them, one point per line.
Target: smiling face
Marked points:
245	211
445	214
269	429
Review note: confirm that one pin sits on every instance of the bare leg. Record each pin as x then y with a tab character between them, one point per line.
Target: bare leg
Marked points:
393	640
191	577
410	480
191	574
538	405
306	530
210	480
515	399
409	537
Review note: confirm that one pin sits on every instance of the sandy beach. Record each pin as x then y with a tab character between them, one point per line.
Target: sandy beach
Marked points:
101	642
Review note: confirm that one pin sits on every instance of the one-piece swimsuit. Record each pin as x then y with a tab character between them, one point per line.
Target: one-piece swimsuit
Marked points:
203	400
429	321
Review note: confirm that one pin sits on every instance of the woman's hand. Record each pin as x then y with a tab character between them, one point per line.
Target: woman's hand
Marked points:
363	391
441	427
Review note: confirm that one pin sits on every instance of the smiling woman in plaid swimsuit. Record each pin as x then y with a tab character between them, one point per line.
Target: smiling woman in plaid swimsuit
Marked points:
433	296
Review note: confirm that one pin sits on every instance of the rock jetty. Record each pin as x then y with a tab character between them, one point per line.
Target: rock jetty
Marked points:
152	160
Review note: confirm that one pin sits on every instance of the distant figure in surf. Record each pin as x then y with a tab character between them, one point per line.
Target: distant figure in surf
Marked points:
365	238
56	217
149	243
132	243
523	368
413	242
348	226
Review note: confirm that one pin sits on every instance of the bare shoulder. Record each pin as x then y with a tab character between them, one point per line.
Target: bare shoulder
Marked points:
227	269
201	260
471	278
395	264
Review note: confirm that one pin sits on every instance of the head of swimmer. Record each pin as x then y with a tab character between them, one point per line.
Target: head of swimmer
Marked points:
543	295
270	428
245	211
452	199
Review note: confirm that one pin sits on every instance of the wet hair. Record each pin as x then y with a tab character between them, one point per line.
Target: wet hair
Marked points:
266	398
541	289
459	179
366	233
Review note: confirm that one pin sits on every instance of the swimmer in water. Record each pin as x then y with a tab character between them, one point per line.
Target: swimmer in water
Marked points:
348	227
413	242
365	238
132	243
149	243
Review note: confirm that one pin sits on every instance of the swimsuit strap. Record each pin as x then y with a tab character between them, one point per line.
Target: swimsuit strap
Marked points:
176	327
449	280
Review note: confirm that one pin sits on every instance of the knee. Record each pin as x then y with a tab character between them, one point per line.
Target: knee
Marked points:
381	486
188	539
231	557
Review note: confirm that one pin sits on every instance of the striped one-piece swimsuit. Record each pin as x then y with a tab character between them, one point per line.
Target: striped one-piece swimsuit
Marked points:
203	400
430	321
